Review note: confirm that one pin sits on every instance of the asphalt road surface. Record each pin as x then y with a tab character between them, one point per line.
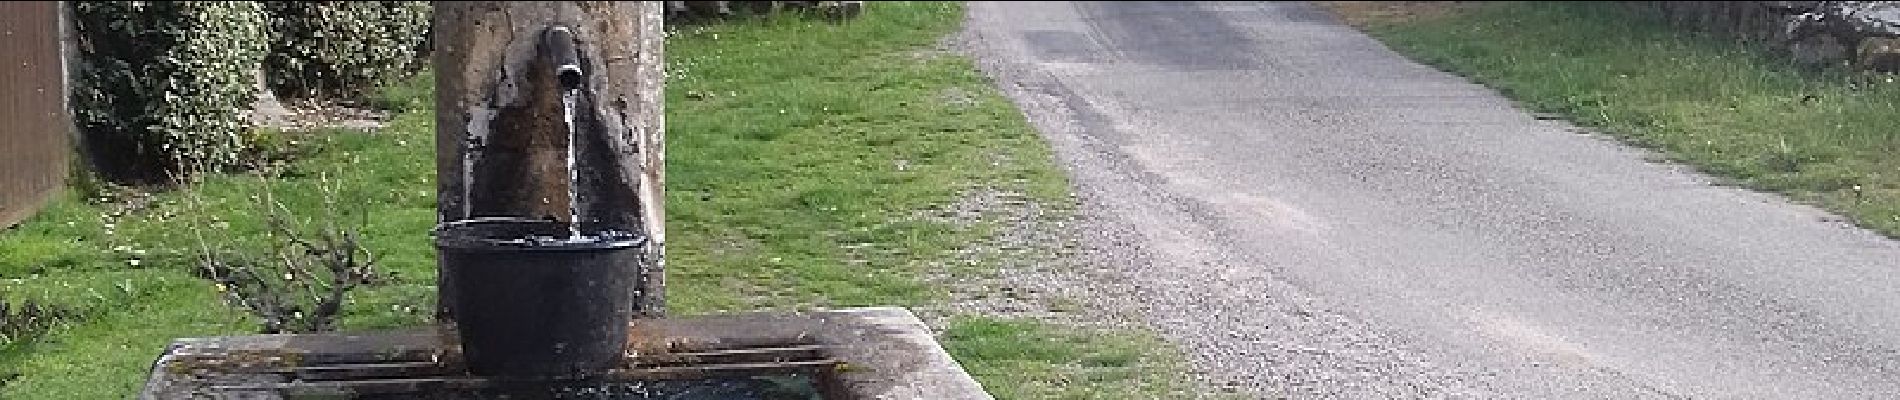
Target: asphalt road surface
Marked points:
1308	214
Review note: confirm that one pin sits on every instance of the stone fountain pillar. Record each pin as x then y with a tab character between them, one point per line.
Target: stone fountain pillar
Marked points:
499	119
548	113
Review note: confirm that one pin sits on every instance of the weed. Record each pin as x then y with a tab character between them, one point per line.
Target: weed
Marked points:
299	284
24	319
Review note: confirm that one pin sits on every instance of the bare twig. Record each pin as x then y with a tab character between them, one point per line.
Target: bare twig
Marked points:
301	282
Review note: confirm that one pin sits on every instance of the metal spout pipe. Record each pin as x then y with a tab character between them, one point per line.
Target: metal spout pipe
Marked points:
559	47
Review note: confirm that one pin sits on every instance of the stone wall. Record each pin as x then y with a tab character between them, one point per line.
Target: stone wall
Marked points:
1862	33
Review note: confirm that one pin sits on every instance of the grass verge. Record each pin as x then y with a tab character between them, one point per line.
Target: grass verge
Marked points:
1820	137
800	154
794	145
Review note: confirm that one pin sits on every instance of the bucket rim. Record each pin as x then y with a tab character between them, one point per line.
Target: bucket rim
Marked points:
455	235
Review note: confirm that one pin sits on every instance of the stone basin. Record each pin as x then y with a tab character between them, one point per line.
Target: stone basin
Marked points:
860	353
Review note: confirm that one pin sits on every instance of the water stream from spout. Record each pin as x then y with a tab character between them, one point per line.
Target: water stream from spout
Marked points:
569	101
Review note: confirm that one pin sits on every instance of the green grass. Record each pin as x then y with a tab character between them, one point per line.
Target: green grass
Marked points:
1029	360
790	142
128	279
1822	137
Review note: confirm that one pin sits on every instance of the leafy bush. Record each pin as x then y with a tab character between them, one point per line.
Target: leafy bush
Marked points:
344	49
161	86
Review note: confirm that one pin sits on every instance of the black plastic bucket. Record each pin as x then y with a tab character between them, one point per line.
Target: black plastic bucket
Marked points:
530	302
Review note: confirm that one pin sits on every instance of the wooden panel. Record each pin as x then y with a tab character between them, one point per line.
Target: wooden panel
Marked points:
34	126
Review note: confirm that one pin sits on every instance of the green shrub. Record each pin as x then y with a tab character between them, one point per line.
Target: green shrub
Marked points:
161	86
344	50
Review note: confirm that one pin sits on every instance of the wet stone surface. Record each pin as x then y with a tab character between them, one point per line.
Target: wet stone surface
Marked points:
771	387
